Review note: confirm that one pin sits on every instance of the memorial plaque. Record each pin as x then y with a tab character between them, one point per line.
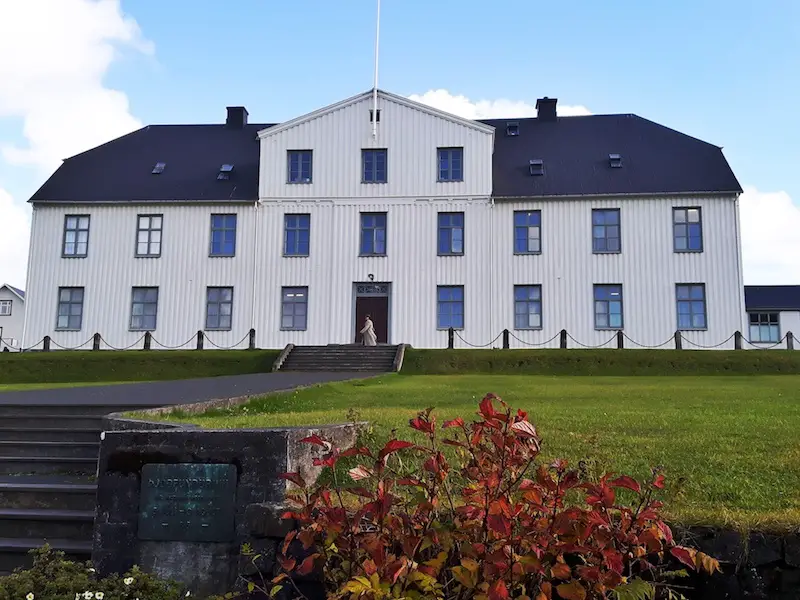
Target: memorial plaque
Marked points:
187	502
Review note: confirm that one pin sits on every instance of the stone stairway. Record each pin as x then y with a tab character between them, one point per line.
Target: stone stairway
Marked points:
48	462
352	358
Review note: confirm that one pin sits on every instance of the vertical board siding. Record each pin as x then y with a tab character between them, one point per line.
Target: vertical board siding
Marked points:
12	326
411	138
110	270
334	266
647	268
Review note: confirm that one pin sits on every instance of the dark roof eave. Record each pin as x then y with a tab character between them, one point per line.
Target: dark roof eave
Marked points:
621	194
149	201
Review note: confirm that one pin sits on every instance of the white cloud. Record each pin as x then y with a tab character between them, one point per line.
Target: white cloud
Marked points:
770	242
55	54
488	109
15	219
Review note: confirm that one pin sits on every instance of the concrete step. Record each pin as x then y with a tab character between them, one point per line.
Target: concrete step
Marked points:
22	523
47	492
14	551
52	449
40	465
46	421
50	434
355	358
98	410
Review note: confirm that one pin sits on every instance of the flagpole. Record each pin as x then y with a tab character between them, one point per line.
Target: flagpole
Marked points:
375	82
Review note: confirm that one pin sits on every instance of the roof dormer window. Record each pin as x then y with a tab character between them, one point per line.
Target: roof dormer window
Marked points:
512	129
615	160
159	168
225	171
536	167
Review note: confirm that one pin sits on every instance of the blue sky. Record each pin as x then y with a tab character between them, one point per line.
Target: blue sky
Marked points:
726	72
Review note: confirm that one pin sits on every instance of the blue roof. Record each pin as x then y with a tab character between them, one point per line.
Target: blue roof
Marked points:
574	150
17	291
772	297
575	155
122	169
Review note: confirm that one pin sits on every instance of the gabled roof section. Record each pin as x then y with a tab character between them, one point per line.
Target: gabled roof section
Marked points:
772	297
124	169
477	125
16	291
576	157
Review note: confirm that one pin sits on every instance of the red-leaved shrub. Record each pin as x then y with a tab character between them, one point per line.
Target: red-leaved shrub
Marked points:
501	526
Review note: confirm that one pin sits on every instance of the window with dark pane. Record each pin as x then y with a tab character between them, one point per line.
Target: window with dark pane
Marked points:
297	235
687	229
76	236
294	308
527	307
765	327
608	307
373	166
148	235
691	300
606	231
70	309
144	308
451	164
299	165
450	307
223	235
219	308
373	234
451	234
527	232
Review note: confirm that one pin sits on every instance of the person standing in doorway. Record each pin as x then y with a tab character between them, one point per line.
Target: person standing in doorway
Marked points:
368	333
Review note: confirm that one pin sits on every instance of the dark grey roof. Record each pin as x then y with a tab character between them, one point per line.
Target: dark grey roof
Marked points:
17	291
574	150
655	159
121	170
772	297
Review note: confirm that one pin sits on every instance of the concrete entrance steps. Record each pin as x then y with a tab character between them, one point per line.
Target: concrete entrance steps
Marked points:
48	461
352	358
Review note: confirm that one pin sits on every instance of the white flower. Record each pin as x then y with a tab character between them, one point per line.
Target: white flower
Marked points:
188	594
127	580
30	596
77	596
99	595
88	595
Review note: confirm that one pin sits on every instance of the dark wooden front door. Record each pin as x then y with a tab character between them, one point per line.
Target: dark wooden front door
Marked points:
378	309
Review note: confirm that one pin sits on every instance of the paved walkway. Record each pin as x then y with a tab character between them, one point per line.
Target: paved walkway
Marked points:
165	393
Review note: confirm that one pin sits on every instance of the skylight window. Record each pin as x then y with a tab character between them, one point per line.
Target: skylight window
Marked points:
225	171
159	168
536	167
615	160
512	129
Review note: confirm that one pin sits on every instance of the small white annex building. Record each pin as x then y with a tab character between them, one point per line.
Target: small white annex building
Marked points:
12	317
773	312
424	220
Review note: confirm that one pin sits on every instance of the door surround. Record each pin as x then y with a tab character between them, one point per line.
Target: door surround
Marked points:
380	289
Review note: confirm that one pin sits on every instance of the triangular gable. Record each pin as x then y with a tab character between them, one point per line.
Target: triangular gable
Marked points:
14	291
482	127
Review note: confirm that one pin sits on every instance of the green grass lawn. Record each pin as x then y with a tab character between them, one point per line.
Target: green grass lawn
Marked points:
730	444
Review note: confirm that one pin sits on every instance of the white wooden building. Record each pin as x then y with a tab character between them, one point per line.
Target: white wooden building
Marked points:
773	313
424	220
12	317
